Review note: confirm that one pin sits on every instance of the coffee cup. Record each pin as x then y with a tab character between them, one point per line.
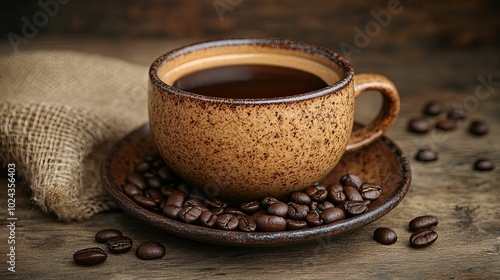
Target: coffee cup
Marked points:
244	119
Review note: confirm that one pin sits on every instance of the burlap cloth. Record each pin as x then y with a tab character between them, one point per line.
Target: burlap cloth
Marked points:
60	112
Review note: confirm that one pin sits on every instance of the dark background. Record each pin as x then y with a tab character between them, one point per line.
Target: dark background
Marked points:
421	24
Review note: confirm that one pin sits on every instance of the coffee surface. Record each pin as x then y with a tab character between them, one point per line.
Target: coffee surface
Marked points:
250	81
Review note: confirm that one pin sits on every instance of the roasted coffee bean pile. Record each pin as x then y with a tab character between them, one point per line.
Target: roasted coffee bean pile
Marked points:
447	120
423	234
154	186
117	243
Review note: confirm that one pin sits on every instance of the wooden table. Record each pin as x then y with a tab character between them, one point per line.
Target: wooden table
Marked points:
465	201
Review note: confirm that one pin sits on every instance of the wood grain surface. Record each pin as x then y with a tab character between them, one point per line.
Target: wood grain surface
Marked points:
465	201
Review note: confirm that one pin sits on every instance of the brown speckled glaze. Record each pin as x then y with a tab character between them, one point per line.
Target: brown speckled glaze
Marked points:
243	149
392	172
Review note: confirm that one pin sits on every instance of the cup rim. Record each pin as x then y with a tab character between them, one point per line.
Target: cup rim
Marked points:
347	77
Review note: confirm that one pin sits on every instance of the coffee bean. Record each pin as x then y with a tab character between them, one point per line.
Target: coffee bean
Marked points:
447	124
190	214
456	114
316	194
484	164
150	250
227	222
313	219
336	197
294	224
176	198
260	212
300	198
137	179
234	211
352	194
266	201
356	207
119	244
313	206
337	187
217	210
426	155
158	162
423	238
154	194
215	202
478	128
143	167
250	207
132	189
370	191
171	211
148	175
208	219
278	209
331	215
325	205
104	235
247	223
297	211
155	182
270	223
385	236
420	222
419	125
145	202
90	256
351	180
433	108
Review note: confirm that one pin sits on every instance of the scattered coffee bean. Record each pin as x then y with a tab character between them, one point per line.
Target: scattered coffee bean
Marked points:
336	197
167	175
423	238
208	219
278	209
300	198
90	256
137	179
484	164
297	211
433	108
331	215
270	223
167	190
234	211
325	205
266	201
370	191
145	202
316	194
385	236
478	128
150	250
447	124
104	235
119	244
190	214
214	202
192	202
419	125
313	220
217	210
132	189
143	167
421	222
352	193
356	207
155	182
294	224
227	222
154	194
456	113
247	223
250	207
176	198
351	180
337	187
171	211
426	155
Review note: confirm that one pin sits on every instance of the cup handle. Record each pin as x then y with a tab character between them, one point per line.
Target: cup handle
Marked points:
390	108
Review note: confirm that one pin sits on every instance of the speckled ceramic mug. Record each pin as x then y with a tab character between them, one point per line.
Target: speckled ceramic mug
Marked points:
245	149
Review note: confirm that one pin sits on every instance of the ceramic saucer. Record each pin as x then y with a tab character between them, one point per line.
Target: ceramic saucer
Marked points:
382	163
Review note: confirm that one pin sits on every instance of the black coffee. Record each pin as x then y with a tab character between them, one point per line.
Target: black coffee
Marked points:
250	81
